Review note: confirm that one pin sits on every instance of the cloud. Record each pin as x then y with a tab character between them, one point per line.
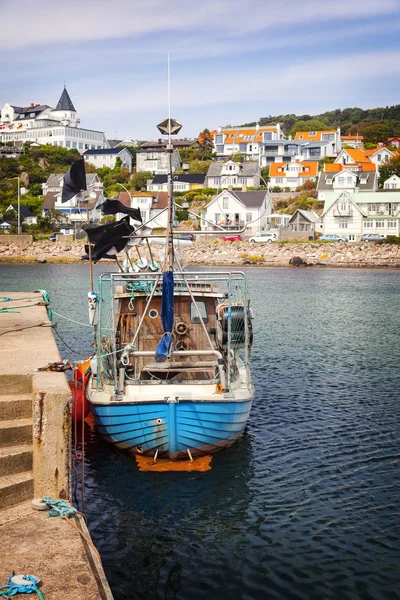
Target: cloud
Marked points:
48	22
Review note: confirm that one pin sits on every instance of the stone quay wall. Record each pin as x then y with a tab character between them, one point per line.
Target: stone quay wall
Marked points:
218	253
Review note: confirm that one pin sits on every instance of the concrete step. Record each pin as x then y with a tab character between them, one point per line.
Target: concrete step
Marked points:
15	406
16	432
16	512
16	488
15	459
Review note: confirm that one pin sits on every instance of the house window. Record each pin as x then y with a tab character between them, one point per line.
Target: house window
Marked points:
225	202
372	207
379	157
380	224
391	224
219	139
194	317
217	180
343	224
341	180
217	219
220	149
248	217
278	179
349	181
267	136
328	181
368	224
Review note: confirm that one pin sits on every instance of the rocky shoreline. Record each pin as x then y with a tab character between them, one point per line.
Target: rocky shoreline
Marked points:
235	254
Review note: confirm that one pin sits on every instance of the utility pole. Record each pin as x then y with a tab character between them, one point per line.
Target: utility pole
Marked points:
19	207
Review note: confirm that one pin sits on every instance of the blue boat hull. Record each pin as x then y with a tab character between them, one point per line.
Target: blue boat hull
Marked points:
172	428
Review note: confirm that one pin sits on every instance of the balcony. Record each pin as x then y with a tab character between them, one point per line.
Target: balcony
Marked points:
337	212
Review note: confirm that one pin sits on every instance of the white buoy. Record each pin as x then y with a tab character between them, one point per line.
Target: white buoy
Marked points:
19	579
37	504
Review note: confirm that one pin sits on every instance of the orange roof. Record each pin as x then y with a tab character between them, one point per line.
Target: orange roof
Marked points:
305	135
357	155
379	149
310	169
337	167
237	134
352	137
332	167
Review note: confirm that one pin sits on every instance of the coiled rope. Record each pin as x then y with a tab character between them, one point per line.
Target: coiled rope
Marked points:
11	589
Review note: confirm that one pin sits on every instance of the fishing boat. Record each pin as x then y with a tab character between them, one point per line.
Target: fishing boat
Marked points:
171	372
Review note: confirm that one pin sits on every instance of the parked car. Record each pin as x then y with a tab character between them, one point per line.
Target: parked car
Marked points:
332	237
233	237
263	236
185	236
52	237
372	237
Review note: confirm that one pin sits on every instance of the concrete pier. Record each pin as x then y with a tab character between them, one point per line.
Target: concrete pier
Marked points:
35	459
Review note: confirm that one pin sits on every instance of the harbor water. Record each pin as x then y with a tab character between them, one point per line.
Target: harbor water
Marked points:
305	505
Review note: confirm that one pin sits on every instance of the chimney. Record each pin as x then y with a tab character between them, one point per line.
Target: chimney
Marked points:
219	129
32	105
257	127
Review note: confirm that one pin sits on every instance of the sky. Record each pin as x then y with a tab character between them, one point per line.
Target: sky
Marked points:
232	61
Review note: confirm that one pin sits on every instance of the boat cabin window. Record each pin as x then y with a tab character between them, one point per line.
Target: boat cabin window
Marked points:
202	310
153	313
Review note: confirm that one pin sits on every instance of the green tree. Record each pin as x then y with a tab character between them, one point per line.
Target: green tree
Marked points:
310	125
389	168
199	166
206	144
139	180
264	175
51	221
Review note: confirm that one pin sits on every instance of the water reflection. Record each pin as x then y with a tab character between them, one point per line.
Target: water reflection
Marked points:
305	505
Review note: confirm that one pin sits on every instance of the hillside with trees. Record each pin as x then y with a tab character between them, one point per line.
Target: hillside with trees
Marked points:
375	124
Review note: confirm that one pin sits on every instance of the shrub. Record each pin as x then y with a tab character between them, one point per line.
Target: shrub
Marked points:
390	239
276	189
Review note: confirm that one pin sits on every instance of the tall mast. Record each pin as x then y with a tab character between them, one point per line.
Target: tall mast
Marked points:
170	127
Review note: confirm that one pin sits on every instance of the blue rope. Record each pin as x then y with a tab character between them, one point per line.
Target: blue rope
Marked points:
11	589
59	508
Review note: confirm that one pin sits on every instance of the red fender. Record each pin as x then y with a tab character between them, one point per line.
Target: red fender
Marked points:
80	404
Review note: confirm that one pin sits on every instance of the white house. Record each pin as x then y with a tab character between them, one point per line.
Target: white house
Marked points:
351	214
349	177
293	174
222	175
74	209
380	155
235	210
393	183
150	204
355	141
27	215
42	124
107	157
156	161
331	137
246	140
305	223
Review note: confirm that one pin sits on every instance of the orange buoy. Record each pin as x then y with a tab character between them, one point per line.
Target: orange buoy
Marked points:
80	404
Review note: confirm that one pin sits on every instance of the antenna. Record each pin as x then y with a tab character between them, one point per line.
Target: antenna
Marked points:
169	100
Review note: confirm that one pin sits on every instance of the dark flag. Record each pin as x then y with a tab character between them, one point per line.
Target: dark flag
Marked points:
110	254
74	180
112	206
105	237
